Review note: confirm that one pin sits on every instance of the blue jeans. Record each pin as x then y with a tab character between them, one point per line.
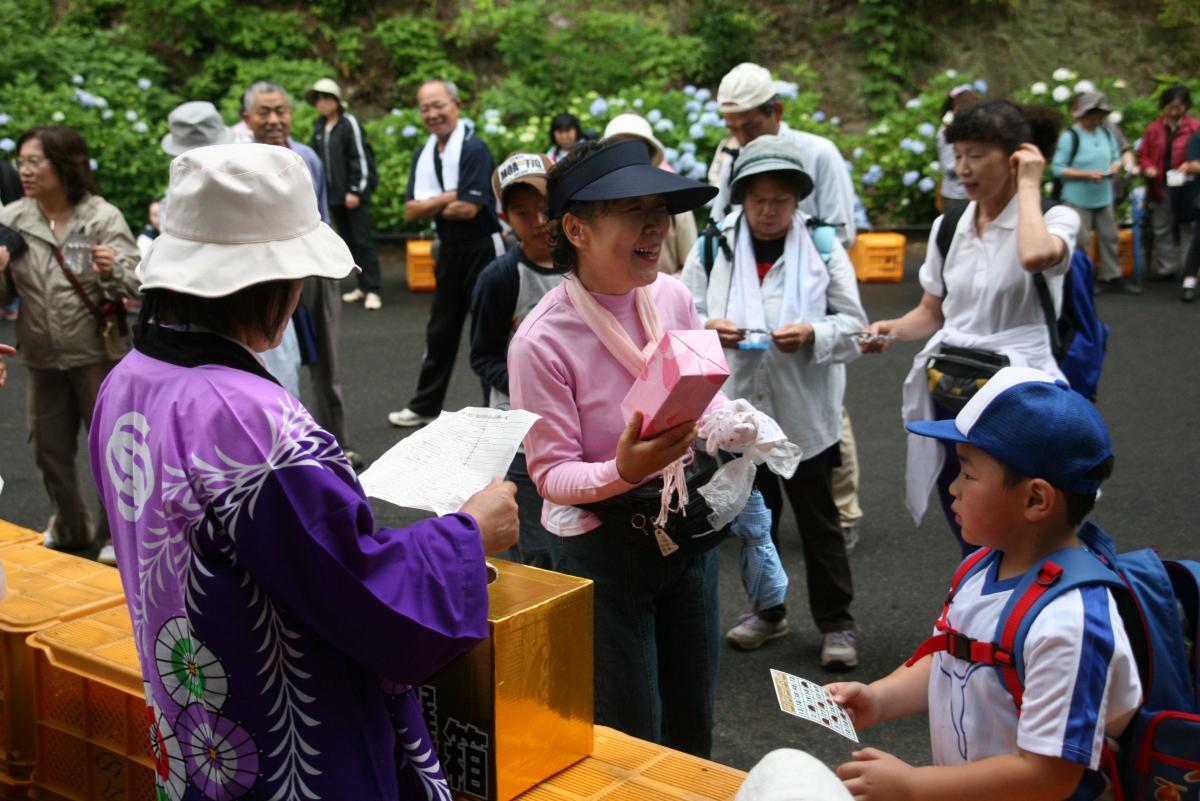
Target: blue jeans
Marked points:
657	637
536	546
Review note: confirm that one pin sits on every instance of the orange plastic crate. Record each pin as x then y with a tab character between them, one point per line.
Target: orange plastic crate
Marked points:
420	265
15	535
878	256
1124	251
623	768
93	734
45	588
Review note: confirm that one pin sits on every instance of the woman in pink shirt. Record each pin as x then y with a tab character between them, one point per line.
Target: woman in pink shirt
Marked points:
572	362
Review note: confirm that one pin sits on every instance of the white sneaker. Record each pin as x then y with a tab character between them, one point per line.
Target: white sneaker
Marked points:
839	650
850	534
752	631
108	556
407	418
372	302
353	297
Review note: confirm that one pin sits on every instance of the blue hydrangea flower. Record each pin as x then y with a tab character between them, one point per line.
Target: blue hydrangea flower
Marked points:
703	94
144	84
671	154
408	131
397	112
598	107
7	145
916	102
693	106
872	175
131	115
638	102
858	152
93	165
917	146
787	90
693	117
689	90
664	125
140	127
107	114
926	184
491	114
390	130
927	130
698	173
911	177
687	162
5	119
688	147
711	105
849	166
696	131
982	86
85	98
818	116
491	128
653	116
76	78
711	118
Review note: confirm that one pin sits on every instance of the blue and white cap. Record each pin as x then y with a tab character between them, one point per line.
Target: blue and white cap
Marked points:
1035	424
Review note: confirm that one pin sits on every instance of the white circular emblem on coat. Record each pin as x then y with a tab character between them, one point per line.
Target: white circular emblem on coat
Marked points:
129	465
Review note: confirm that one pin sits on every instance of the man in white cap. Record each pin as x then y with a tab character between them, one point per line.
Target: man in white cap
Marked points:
751	106
350	178
267	111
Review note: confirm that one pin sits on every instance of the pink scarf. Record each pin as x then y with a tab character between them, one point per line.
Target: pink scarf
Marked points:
616	340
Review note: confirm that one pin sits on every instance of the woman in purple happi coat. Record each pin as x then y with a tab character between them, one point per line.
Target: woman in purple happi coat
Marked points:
280	634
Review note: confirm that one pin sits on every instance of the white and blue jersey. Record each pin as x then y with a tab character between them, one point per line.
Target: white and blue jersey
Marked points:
1081	680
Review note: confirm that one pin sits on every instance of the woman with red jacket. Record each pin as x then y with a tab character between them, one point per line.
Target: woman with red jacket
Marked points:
1163	149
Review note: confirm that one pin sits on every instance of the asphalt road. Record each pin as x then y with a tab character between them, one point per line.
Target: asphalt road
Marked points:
1150	397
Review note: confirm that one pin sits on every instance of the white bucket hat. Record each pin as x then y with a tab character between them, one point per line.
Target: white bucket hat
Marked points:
630	124
240	215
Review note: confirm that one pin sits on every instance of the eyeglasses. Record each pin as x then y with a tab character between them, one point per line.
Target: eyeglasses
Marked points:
32	163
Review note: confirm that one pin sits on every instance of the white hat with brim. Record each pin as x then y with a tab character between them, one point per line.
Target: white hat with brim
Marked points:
324	86
195	124
745	88
241	215
629	124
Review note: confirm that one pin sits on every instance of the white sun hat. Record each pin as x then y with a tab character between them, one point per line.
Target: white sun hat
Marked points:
240	215
630	124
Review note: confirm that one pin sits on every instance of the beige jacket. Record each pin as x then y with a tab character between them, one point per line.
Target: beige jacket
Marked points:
681	236
55	330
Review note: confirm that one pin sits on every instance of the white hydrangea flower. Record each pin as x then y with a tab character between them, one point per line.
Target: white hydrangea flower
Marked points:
1061	94
1064	74
1039	88
58	116
1085	86
1118	84
951	73
1116	117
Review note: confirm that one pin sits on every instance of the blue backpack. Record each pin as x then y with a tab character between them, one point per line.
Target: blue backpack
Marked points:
1159	602
1077	337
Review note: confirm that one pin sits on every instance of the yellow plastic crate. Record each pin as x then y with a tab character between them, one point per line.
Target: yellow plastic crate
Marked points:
93	729
420	265
623	768
45	588
878	256
15	535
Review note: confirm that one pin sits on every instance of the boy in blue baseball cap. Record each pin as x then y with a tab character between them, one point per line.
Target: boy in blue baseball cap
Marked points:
1034	454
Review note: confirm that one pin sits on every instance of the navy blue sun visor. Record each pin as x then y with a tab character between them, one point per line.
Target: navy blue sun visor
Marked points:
623	170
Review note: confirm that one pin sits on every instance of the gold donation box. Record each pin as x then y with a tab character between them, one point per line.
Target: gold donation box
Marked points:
518	708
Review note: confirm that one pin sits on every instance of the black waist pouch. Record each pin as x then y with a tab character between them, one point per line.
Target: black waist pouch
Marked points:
632	514
956	374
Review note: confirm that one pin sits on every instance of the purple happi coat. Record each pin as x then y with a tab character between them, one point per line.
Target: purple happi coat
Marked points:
279	632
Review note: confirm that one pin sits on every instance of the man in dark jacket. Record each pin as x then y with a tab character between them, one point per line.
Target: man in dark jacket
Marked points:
350	178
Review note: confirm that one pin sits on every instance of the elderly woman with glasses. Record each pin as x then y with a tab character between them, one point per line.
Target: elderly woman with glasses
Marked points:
76	262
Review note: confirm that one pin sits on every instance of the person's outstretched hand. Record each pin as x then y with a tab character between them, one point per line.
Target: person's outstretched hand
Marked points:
876	774
859	701
638	458
5	350
494	509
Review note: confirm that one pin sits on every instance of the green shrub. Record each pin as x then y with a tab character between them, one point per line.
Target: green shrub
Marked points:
413	47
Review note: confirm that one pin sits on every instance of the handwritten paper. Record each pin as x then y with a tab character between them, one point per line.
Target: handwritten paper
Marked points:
804	699
448	461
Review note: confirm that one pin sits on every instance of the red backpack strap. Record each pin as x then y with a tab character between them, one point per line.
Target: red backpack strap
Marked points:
1047	575
966	568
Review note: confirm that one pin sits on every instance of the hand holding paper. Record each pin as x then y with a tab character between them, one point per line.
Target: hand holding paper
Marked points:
439	467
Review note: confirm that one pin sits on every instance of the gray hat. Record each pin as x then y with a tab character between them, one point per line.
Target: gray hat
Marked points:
1089	102
769	153
195	124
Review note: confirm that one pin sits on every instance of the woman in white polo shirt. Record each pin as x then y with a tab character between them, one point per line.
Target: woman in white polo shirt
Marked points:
981	298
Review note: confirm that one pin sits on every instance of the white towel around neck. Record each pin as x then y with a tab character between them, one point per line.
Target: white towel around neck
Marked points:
426	184
805	280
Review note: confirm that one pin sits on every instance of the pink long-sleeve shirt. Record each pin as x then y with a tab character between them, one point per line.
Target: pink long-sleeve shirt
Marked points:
559	369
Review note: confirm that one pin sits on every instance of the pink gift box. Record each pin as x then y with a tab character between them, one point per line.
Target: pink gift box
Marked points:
681	378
